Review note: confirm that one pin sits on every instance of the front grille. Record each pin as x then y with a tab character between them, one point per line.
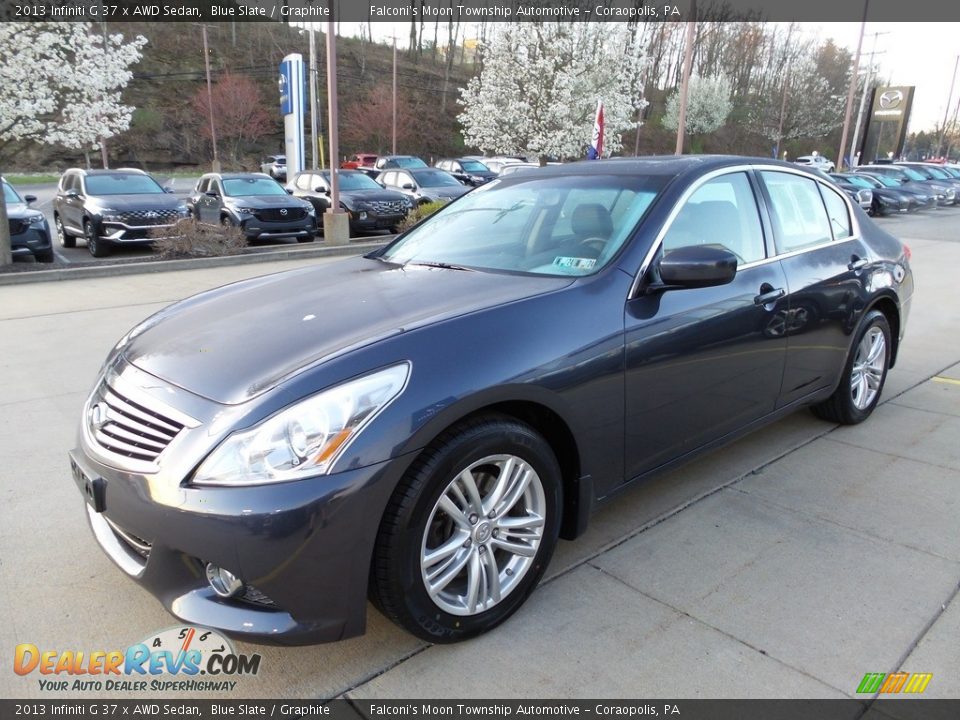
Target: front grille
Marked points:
124	427
137	544
149	217
17	226
388	207
280	214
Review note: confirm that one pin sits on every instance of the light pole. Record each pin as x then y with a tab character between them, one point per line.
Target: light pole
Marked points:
314	124
213	127
394	94
852	89
946	111
336	224
863	100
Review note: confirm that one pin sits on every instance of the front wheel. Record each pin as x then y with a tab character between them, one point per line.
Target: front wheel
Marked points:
97	247
66	239
863	375
469	531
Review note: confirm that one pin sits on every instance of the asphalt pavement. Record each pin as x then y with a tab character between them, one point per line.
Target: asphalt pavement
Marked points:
788	564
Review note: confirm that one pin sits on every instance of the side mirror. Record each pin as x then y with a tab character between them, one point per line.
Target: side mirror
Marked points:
30	199
72	194
696	266
167	189
212	193
289	191
409	186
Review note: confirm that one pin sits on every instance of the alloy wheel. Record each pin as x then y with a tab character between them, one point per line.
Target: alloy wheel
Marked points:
868	367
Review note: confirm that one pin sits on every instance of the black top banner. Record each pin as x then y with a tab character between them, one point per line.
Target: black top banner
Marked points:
475	11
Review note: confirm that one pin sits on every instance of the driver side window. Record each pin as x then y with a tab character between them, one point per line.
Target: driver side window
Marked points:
721	212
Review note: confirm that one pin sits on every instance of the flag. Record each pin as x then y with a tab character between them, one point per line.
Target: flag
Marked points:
596	145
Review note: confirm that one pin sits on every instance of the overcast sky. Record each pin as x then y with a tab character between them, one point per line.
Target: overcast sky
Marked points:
920	54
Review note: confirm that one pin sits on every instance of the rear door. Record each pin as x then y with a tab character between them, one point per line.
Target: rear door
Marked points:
702	362
825	262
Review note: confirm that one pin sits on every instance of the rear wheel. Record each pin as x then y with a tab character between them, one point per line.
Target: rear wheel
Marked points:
469	531
97	247
66	239
863	376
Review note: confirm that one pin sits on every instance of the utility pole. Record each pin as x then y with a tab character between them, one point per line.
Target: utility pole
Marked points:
946	110
783	109
103	141
854	160
213	127
394	94
336	224
851	91
685	82
314	120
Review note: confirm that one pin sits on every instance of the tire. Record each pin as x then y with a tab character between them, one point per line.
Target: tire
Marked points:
44	256
97	247
863	375
417	520
66	239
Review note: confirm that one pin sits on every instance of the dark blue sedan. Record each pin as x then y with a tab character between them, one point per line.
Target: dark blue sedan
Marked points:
421	425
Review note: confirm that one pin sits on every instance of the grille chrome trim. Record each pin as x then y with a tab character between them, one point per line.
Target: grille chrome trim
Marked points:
128	429
139	545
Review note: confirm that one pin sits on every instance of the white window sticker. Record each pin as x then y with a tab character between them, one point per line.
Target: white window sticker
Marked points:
575	263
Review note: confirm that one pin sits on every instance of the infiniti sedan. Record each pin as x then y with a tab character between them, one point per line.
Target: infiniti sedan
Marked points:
420	425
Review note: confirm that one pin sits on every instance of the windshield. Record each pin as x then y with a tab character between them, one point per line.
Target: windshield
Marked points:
952	172
937	173
436	178
859	181
242	187
886	181
571	225
473	166
121	184
10	195
405	162
354	181
911	173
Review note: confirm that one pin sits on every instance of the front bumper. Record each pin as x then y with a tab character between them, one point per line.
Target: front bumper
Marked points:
33	240
256	229
303	548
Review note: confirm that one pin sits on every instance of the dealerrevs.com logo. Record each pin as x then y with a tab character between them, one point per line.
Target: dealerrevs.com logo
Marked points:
183	658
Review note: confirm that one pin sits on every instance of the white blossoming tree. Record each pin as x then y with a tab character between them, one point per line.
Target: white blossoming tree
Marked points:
708	105
538	90
61	84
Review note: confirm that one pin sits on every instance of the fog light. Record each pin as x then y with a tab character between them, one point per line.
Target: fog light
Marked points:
224	583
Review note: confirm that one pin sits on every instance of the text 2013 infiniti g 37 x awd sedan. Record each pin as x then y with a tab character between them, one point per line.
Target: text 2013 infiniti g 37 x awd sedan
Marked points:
420	425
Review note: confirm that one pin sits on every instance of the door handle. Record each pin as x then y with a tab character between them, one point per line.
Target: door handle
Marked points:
857	263
768	296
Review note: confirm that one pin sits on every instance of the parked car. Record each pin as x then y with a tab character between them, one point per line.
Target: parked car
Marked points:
255	203
423	185
817	161
113	207
912	180
921	196
935	173
369	205
29	231
497	164
360	161
275	166
885	200
467	170
422	423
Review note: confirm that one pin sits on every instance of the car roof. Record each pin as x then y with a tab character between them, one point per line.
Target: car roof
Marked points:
661	165
102	171
238	175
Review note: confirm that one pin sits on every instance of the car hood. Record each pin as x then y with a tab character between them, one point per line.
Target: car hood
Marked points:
144	201
236	342
18	211
444	191
372	195
265	201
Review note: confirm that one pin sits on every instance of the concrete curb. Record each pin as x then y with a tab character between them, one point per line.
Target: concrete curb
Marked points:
150	266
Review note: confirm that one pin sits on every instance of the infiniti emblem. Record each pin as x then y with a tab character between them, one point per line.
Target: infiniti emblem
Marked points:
890	99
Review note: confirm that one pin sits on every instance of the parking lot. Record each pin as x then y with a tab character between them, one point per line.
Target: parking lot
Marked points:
788	564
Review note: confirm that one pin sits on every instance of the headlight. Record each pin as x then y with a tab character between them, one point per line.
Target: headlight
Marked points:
183	210
311	210
240	210
305	439
407	201
110	215
34	219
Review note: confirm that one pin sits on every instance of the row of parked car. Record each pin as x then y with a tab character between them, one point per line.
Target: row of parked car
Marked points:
124	206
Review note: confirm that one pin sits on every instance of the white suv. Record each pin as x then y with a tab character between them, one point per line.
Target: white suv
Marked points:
817	161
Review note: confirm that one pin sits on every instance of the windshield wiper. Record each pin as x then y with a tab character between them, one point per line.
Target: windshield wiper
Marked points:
437	264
